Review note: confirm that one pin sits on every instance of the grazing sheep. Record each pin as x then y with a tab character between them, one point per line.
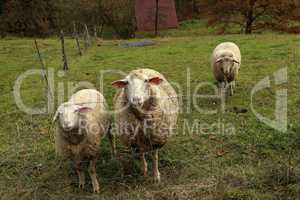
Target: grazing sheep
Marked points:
82	121
225	62
146	109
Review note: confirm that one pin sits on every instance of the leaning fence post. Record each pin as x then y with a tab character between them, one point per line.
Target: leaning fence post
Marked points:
48	92
78	45
87	36
64	56
75	35
95	31
101	30
74	30
41	60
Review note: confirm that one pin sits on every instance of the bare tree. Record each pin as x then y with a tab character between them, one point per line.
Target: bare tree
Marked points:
250	14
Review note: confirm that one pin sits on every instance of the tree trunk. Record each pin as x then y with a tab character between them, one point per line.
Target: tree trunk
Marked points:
248	29
249	17
156	18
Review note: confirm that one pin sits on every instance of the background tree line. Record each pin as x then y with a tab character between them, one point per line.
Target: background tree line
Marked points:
252	15
44	18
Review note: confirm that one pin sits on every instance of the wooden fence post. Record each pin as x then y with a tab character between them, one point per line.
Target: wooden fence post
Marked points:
64	56
101	29
87	37
95	31
74	29
48	92
40	58
78	45
76	37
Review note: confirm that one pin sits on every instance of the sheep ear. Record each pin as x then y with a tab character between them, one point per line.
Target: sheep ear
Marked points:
83	109
156	80
58	111
219	60
55	116
235	61
119	83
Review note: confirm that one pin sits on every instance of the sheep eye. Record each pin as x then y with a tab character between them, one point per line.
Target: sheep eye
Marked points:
147	81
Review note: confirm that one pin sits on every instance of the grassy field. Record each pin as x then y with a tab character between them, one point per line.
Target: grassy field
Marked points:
257	162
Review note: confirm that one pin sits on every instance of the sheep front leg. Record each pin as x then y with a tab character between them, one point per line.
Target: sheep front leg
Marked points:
156	172
145	165
93	175
220	85
222	89
80	174
232	86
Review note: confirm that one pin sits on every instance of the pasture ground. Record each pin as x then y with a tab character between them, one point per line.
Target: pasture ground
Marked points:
256	162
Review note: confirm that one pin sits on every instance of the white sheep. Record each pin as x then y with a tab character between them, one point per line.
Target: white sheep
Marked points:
82	121
225	62
146	109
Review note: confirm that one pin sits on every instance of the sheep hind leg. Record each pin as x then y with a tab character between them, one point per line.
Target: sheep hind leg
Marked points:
156	173
80	174
145	165
93	175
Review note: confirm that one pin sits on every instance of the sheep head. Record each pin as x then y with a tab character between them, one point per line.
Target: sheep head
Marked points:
137	88
68	115
226	61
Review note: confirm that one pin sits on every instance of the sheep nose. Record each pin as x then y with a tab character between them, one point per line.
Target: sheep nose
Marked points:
136	101
67	125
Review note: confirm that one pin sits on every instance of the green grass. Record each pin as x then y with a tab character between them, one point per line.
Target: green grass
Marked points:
190	28
257	162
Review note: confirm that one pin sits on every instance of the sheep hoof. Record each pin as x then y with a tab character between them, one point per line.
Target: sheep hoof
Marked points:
145	175
157	179
231	92
81	186
96	189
